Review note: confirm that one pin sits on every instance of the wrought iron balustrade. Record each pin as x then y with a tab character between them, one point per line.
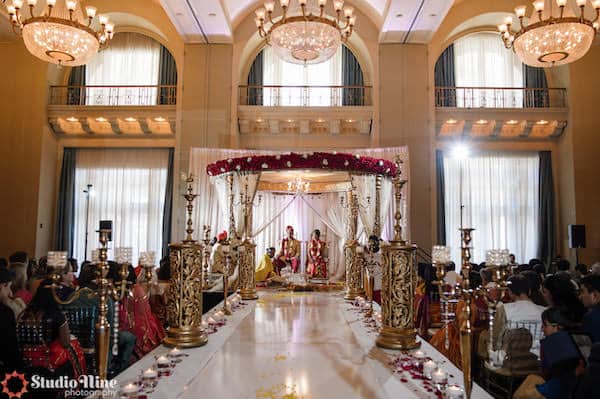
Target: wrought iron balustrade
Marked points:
500	97
96	95
304	96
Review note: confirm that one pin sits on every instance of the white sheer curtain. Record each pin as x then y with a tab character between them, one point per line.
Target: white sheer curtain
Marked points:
129	189
280	73
480	60
500	192
364	186
131	59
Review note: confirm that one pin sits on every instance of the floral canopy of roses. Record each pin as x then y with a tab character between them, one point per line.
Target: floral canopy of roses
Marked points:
315	160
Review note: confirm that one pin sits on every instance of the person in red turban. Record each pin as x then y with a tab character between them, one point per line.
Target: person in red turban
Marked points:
222	236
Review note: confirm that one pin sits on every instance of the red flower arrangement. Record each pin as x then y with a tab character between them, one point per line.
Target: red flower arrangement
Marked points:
315	160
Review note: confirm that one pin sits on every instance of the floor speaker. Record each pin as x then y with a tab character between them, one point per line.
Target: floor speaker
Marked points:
577	236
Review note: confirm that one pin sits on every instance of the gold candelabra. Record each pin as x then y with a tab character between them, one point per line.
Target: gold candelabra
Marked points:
184	302
466	332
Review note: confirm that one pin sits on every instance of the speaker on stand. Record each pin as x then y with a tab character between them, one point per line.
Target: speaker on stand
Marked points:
577	238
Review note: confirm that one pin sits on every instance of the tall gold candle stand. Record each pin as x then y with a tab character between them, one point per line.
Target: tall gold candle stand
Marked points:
354	283
184	303
246	252
206	258
466	332
226	309
102	325
398	285
369	288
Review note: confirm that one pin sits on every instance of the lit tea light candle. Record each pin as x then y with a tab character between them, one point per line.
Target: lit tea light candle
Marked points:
454	392
439	376
130	390
211	320
150	373
204	325
219	315
419	355
175	352
428	368
162	360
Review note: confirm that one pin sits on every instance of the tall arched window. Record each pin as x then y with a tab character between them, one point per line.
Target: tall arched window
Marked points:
132	59
279	83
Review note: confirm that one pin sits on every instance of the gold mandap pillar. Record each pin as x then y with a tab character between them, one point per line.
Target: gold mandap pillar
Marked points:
398	285
353	260
246	253
184	302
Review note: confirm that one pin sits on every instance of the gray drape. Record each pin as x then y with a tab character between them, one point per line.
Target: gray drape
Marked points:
535	78
444	77
76	95
352	75
65	212
440	198
255	78
167	76
168	208
547	228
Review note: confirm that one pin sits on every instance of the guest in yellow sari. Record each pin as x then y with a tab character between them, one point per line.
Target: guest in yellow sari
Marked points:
264	270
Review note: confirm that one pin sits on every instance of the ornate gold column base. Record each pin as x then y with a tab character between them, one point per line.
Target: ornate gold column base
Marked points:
185	338
247	288
397	338
354	280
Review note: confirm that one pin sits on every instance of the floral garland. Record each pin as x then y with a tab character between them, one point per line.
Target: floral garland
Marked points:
315	160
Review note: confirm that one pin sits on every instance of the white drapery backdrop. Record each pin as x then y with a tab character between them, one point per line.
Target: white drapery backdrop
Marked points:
480	60
131	59
129	189
500	193
277	211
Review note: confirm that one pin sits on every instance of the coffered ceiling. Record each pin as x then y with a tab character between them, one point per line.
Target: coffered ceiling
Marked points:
398	21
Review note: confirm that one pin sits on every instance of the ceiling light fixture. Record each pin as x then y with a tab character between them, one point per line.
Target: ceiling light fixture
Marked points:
547	40
451	121
512	122
130	119
542	122
72	119
60	34
159	119
482	122
101	119
306	37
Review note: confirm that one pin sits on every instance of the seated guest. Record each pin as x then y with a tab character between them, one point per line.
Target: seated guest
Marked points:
18	258
560	359
65	286
595	269
164	269
66	355
10	358
74	270
522	312
19	284
264	269
560	291
217	255
17	305
587	384
590	296
39	272
581	271
136	316
315	260
540	269
289	252
374	263
452	278
3	263
535	287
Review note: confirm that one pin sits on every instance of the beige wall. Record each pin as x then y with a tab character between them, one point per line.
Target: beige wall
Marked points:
585	141
23	108
404	121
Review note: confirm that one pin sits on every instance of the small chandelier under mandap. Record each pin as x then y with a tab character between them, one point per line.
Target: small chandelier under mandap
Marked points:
305	38
549	40
56	35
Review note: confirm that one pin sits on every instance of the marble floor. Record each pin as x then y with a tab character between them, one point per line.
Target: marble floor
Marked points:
292	345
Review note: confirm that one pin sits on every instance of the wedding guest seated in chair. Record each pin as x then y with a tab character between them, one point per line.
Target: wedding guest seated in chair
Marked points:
10	358
289	252
316	266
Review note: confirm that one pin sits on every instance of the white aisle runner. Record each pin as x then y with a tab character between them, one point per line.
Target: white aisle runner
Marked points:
289	346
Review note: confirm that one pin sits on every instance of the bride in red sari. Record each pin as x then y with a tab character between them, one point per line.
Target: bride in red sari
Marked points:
315	262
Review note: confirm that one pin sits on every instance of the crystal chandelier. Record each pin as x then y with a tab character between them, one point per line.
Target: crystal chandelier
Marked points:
56	35
549	40
305	38
298	185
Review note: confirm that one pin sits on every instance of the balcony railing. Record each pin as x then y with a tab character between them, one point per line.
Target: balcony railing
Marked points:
113	95
305	96
500	97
